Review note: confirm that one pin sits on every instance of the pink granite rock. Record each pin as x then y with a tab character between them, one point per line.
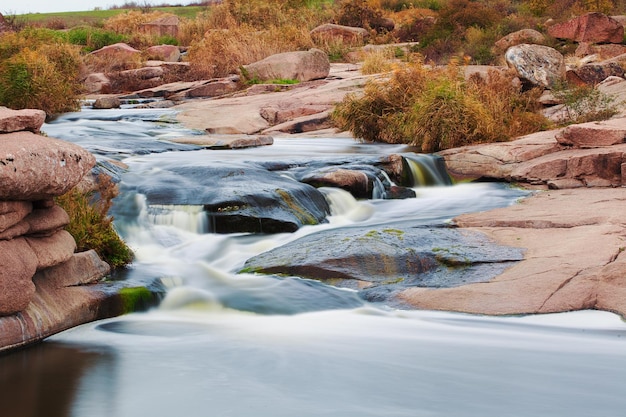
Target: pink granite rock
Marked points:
18	264
300	65
18	120
52	250
167	53
594	134
591	27
13	212
34	167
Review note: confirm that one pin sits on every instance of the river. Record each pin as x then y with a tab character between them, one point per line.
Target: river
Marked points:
228	344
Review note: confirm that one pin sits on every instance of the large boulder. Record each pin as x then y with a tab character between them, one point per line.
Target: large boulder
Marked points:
540	65
591	27
34	167
521	36
236	198
97	83
347	34
300	65
52	250
167	53
393	257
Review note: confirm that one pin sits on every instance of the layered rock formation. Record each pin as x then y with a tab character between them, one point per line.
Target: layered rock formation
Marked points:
40	275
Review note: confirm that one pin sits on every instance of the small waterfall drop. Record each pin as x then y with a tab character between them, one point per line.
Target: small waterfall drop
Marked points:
426	170
343	205
191	218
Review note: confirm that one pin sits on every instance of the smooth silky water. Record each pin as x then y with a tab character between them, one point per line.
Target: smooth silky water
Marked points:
227	344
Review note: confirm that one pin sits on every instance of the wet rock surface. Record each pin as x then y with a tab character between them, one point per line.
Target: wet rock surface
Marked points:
381	261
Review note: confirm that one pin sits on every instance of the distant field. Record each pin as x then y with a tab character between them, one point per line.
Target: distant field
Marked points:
93	17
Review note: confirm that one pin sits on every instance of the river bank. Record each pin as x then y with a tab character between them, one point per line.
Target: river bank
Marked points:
573	238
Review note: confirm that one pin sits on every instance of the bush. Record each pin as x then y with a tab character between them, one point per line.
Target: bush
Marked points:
90	225
583	104
436	109
92	39
38	70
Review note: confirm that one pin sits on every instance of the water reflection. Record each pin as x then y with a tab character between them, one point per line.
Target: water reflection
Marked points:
46	380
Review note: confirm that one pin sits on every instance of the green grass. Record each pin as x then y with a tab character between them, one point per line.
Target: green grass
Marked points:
96	17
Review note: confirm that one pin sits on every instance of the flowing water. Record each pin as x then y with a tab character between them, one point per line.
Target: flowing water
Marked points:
227	344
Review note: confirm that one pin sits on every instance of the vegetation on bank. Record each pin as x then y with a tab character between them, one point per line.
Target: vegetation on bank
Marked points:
439	108
90	224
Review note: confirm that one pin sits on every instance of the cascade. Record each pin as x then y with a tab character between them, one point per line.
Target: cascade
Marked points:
426	170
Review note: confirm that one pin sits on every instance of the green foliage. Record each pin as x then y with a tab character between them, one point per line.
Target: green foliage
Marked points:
437	108
583	104
135	299
90	224
91	38
39	70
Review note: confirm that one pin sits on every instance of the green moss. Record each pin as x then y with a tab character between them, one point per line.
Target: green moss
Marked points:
296	209
135	298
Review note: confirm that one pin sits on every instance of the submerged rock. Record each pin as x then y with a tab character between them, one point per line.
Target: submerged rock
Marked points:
237	198
391	256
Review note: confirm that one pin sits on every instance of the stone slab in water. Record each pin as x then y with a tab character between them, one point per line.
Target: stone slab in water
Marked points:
382	259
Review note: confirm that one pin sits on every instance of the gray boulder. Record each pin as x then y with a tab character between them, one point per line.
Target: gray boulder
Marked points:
300	65
540	65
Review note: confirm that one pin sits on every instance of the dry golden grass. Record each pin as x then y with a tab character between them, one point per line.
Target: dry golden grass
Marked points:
378	61
130	22
437	108
223	51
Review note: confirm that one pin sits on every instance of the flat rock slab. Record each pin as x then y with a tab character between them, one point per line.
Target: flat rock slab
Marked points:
574	259
381	260
226	141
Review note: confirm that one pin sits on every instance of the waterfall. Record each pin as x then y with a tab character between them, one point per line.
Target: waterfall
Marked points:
191	218
426	170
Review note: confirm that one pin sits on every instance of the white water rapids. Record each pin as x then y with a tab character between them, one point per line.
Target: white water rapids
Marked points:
227	344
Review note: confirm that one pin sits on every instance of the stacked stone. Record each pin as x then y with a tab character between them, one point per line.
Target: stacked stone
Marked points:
33	170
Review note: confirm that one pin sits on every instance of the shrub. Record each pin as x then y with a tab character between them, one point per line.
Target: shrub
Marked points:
91	38
583	104
437	108
377	61
38	70
90	224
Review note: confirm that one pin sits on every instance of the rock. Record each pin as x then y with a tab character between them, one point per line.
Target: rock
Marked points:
313	122
13	212
591	27
286	111
20	120
34	167
530	36
97	83
226	141
300	65
559	271
393	256
165	26
349	35
592	74
18	267
237	198
604	51
145	73
46	221
167	53
594	134
214	88
52	250
82	268
110	102
53	309
538	64
116	49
